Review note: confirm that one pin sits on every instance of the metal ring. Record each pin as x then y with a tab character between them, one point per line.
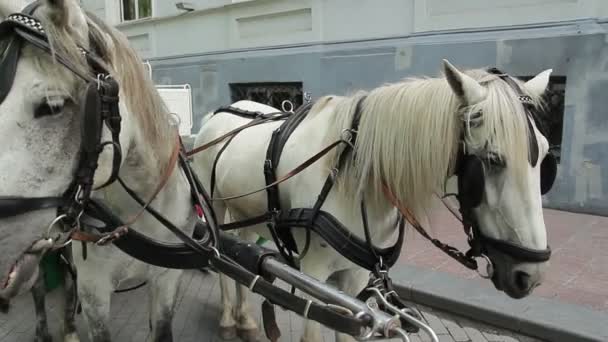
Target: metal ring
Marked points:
489	268
53	223
284	106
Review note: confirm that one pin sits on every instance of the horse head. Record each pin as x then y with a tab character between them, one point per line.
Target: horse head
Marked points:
502	169
63	131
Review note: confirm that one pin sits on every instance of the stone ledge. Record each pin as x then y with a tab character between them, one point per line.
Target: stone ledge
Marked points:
547	319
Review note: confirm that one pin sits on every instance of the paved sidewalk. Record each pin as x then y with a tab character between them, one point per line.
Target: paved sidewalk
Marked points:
578	273
198	316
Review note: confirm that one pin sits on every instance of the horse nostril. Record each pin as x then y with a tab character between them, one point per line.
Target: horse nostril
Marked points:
522	281
4	306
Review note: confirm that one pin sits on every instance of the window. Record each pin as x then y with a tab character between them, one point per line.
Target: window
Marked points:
552	117
272	94
135	9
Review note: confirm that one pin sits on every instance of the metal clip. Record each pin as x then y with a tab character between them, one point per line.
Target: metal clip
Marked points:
307	97
404	315
99	76
78	197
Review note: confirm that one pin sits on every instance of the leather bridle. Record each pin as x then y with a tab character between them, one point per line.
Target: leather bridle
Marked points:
99	107
478	242
469	170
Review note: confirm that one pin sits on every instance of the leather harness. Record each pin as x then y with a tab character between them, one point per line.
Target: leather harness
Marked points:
281	221
77	209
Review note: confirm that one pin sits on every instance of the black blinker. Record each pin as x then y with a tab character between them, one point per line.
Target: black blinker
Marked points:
548	173
471	181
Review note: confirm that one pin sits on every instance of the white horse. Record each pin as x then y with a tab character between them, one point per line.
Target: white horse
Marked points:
40	126
408	137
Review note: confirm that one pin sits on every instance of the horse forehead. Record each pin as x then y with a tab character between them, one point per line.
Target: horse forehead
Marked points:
11	6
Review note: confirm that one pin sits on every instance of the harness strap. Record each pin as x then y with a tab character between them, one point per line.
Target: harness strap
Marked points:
215	161
119	231
257	121
341	239
289	174
283	238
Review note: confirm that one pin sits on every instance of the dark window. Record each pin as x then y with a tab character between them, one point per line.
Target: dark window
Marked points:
136	9
551	119
272	94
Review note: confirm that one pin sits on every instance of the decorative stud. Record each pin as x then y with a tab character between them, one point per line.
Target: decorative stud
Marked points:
525	99
29	22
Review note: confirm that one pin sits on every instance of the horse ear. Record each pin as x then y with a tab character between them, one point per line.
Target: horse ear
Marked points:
537	86
464	86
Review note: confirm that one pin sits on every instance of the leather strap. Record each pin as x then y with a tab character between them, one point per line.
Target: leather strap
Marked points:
257	121
340	238
453	252
289	174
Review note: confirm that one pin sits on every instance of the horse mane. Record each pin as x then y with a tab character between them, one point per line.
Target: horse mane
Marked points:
136	87
410	131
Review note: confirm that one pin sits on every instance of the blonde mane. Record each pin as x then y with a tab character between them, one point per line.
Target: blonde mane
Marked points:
122	62
410	131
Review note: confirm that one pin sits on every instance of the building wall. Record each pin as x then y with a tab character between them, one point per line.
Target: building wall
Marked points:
330	47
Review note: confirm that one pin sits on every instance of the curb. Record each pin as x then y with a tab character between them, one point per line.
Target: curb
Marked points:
534	316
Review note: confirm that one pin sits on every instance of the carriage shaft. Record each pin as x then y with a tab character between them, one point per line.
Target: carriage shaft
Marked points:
327	293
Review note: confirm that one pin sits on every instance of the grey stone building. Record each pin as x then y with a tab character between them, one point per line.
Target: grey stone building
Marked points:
270	50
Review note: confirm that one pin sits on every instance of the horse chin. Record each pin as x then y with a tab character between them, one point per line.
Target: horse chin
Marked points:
505	276
22	275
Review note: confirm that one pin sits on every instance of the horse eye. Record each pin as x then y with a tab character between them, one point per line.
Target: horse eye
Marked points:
49	108
495	161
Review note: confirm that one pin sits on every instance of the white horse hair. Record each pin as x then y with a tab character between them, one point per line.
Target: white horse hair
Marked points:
39	153
408	137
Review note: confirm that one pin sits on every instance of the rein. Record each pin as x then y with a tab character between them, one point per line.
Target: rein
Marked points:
291	173
463	258
104	239
262	118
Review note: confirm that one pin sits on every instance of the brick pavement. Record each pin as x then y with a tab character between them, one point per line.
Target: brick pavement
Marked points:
198	315
577	274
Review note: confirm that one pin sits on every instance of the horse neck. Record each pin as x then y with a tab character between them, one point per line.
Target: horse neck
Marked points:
329	126
143	171
404	142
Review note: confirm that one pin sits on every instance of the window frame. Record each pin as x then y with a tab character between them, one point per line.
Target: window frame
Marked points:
137	16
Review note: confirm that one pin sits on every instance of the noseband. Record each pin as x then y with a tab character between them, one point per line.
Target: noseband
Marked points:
99	107
471	182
